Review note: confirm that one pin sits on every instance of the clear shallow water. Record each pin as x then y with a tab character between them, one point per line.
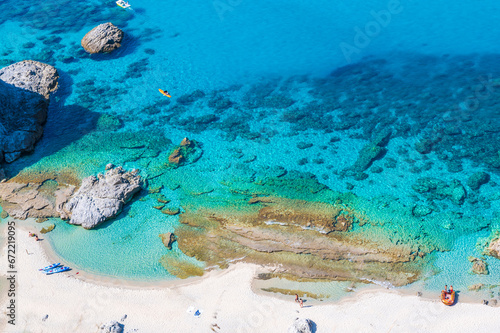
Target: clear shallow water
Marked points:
183	47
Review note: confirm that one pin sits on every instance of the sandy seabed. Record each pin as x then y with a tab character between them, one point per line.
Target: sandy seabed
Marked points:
72	303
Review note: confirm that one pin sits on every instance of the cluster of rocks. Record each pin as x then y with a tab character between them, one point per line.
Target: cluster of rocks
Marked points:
436	189
102	197
97	200
479	266
494	248
186	152
373	150
25	88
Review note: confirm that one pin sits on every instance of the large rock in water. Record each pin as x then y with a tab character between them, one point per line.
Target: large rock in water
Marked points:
25	88
102	39
102	197
494	248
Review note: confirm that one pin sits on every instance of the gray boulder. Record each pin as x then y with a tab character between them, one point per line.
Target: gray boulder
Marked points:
25	89
301	325
101	198
32	76
112	327
102	39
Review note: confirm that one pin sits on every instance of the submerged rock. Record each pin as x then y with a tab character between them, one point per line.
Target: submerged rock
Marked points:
421	210
25	89
301	325
477	180
479	266
102	39
101	198
168	239
372	151
189	151
494	248
436	189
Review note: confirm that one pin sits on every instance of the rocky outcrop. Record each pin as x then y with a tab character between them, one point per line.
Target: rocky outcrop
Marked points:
308	239
102	39
436	189
494	248
372	151
187	152
168	239
34	200
25	88
477	180
301	325
479	266
101	198
32	76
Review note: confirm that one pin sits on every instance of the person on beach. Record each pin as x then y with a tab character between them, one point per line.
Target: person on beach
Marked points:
36	238
296	298
31	234
301	303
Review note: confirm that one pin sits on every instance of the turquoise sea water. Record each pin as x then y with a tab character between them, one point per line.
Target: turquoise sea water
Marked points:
414	65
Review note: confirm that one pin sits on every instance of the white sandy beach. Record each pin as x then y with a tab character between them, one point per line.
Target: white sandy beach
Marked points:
224	298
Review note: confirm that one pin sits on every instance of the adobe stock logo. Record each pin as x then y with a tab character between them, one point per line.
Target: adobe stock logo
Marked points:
372	29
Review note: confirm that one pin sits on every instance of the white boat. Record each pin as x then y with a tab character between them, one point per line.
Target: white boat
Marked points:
123	4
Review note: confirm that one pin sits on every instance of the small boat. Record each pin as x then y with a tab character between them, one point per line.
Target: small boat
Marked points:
123	4
448	298
164	93
50	267
57	270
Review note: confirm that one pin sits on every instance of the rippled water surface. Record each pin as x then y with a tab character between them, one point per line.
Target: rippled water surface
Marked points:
294	84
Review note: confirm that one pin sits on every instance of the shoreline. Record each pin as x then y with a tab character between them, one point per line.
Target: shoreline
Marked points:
132	284
74	304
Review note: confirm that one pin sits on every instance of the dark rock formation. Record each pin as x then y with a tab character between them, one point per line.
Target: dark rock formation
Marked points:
167	239
102	197
420	210
102	39
25	88
436	189
372	151
424	146
477	179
